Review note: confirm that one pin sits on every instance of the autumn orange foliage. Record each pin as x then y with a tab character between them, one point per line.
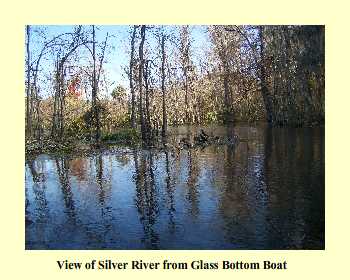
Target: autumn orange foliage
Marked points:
74	87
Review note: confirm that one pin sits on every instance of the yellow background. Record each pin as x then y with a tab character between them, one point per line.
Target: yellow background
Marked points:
16	263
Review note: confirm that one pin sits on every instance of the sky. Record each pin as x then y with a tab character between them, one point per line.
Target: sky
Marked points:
116	58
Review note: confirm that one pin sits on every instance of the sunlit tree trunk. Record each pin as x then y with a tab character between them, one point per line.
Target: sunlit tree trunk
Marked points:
227	94
141	66
185	65
57	97
95	104
28	110
131	79
165	121
147	111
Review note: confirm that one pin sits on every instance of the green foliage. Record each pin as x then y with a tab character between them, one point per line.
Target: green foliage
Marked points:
210	117
78	128
89	115
126	136
119	92
114	120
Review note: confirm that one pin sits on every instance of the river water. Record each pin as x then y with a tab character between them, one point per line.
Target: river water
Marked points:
265	192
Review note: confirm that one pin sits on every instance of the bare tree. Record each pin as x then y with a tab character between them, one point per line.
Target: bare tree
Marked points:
94	89
264	89
141	66
78	40
165	121
225	49
28	115
131	78
147	74
59	98
185	45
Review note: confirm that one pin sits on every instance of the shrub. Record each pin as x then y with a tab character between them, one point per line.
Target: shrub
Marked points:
126	135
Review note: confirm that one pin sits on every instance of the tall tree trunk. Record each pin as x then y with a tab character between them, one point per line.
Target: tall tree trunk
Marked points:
39	126
186	96
264	89
227	93
58	111
292	113
141	66
131	77
94	90
54	114
56	127
28	120
62	103
165	121
147	113
185	61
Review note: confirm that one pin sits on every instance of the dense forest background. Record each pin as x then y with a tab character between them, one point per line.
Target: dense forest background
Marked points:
249	73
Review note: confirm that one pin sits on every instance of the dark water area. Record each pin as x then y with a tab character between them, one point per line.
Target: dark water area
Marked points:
265	192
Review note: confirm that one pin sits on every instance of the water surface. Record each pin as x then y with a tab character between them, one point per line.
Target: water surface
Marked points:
266	192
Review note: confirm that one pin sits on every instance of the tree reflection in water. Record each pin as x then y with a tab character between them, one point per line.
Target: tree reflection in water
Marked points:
170	192
146	197
264	192
62	166
40	214
192	181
